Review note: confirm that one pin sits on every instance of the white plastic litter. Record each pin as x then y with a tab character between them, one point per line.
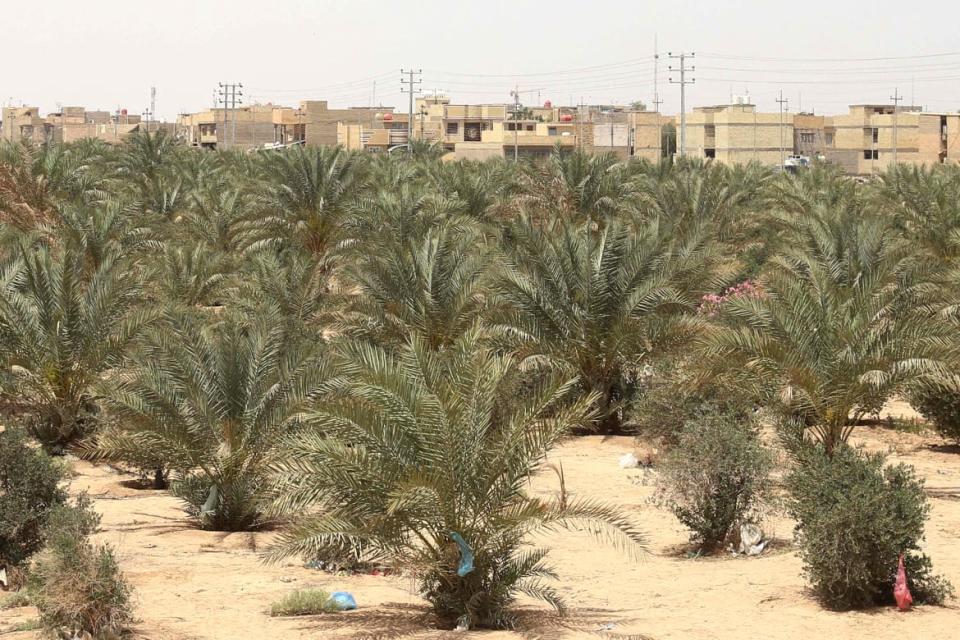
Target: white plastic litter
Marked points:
751	540
629	461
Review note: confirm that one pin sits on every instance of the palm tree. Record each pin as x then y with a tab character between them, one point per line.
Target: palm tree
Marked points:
186	276
925	202
419	459
305	198
35	179
62	326
296	288
599	305
214	402
431	285
576	184
837	330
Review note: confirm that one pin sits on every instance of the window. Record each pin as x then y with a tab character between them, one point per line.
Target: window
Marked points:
871	154
551	131
876	136
531	127
710	153
829	139
807	137
453	128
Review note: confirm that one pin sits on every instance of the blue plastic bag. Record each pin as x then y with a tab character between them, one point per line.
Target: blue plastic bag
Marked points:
466	554
343	600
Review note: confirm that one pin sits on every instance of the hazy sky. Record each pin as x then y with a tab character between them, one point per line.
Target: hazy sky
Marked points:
822	55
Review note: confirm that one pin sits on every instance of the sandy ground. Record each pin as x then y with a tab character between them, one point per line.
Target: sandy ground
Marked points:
194	584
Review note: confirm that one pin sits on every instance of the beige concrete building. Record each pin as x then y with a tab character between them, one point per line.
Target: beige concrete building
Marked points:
738	133
71	124
259	125
25	123
862	141
483	131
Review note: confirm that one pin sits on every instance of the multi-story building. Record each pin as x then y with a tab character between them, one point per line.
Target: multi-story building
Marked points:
25	123
71	124
248	127
738	133
862	141
493	130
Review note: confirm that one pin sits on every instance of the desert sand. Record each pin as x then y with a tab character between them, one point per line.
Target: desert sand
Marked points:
196	584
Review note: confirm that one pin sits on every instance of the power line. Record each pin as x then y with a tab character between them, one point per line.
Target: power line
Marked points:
879	59
543	73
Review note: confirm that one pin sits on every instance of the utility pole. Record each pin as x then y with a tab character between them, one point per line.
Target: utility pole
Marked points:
896	97
580	125
656	95
153	105
229	96
516	122
683	82
782	101
411	87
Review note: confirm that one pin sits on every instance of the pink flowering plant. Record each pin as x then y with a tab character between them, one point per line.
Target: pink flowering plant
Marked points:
711	303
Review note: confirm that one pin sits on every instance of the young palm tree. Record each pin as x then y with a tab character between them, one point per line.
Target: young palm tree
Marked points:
582	186
34	180
431	285
186	276
62	326
421	459
305	198
837	329
599	305
293	286
213	402
925	202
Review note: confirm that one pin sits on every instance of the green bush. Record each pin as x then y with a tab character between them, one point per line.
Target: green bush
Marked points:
77	586
29	491
941	407
716	477
305	602
855	517
671	395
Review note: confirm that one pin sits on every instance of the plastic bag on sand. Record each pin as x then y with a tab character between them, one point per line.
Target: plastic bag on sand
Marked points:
901	592
751	539
629	461
343	600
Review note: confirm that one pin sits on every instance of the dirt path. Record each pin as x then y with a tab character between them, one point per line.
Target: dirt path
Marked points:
194	584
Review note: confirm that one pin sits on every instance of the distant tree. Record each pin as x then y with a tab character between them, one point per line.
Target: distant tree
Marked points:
668	140
638	105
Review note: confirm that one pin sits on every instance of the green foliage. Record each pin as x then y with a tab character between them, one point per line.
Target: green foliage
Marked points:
841	326
303	602
941	406
431	286
716	477
62	325
15	600
78	589
29	492
600	305
855	516
410	448
671	393
214	402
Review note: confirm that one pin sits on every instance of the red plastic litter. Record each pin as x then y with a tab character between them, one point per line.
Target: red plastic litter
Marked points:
901	592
